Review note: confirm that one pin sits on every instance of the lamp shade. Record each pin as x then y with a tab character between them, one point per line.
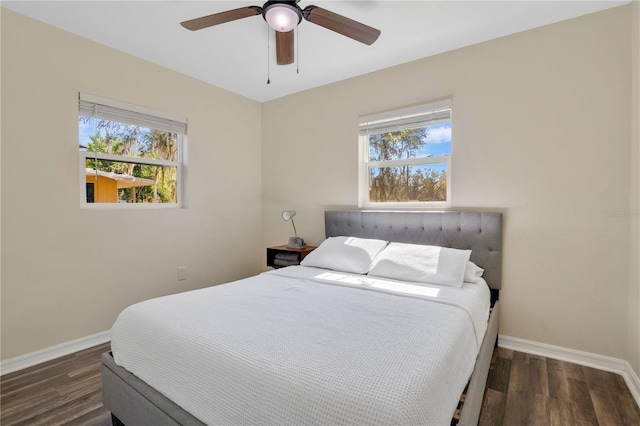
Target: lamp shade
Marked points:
282	17
288	214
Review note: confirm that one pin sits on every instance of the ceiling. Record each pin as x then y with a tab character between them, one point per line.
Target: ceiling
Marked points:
236	57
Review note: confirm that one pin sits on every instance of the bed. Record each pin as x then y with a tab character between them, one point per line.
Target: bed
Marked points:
322	346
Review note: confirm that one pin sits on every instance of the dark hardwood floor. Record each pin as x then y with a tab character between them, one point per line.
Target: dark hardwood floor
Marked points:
65	391
526	389
521	390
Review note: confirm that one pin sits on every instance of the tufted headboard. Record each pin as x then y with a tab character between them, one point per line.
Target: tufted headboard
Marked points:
480	232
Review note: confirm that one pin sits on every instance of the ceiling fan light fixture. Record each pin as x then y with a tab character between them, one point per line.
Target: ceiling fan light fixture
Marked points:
282	17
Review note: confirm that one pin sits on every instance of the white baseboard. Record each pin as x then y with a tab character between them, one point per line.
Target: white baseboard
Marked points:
601	362
47	354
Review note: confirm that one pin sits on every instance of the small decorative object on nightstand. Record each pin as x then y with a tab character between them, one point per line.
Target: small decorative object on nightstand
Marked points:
281	256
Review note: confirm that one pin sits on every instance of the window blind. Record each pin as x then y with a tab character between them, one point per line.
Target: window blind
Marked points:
93	106
418	116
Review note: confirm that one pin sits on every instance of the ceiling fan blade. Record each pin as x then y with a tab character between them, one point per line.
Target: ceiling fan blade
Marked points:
341	24
221	18
284	47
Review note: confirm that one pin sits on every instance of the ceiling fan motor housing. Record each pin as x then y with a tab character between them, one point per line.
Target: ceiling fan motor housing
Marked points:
282	16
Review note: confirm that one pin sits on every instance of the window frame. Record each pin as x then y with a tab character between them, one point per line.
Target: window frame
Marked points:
365	165
179	163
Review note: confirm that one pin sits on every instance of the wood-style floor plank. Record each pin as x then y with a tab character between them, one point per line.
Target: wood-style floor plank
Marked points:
560	412
494	404
581	404
605	409
522	389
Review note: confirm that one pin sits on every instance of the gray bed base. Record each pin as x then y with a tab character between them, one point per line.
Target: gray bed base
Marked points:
133	402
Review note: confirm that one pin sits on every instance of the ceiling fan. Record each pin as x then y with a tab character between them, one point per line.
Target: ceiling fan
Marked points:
283	17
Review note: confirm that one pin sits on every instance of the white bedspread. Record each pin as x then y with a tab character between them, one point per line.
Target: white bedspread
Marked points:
308	346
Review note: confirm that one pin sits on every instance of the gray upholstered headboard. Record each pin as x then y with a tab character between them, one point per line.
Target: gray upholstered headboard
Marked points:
480	232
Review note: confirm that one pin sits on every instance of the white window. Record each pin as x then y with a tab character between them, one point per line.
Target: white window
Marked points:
129	155
405	157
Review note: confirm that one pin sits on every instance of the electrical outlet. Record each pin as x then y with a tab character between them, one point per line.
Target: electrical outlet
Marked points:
182	273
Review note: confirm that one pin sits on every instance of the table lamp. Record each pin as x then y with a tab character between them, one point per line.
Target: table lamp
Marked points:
294	242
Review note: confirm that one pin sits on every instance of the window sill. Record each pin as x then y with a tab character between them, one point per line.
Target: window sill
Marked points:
129	206
407	205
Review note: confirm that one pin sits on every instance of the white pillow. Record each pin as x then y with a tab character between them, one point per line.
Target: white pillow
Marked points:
423	264
345	254
472	273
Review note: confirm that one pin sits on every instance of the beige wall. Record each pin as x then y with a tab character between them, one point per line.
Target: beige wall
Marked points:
541	131
634	204
67	272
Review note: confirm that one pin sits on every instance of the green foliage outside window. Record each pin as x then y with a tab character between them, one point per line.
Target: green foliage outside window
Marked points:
404	183
136	142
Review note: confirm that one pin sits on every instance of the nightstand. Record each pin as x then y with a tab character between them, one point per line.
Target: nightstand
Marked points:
281	256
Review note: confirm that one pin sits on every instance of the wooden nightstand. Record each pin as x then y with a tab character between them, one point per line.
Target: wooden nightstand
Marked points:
281	256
